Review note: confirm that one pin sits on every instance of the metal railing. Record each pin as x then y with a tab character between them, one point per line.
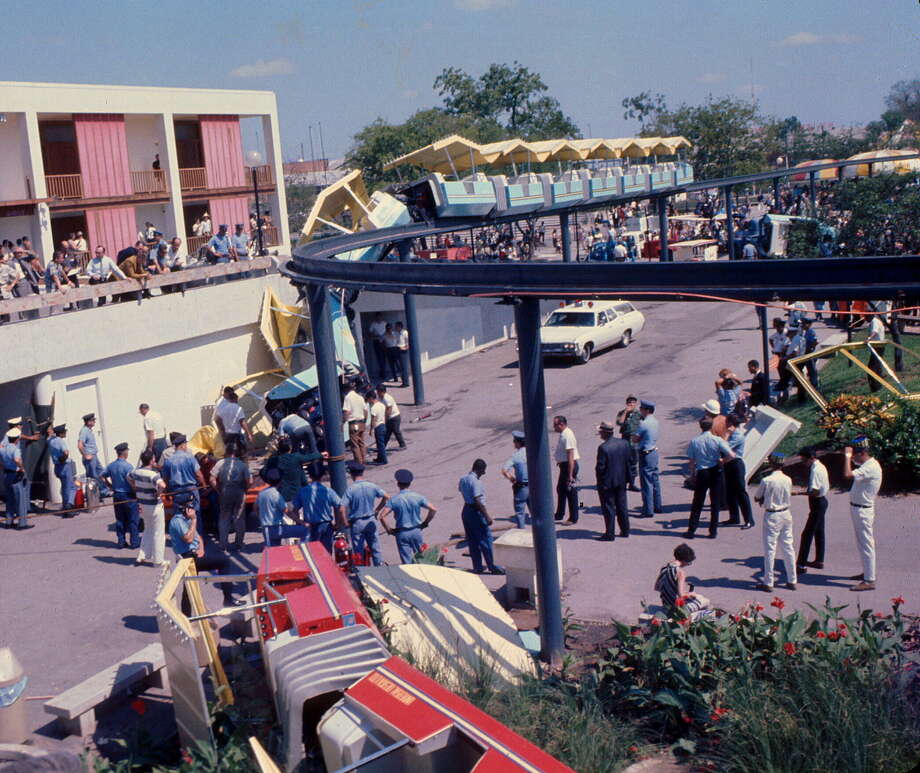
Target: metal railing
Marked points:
193	178
270	236
64	186
195	243
265	174
148	181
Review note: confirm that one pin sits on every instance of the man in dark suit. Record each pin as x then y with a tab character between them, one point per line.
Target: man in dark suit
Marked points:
612	471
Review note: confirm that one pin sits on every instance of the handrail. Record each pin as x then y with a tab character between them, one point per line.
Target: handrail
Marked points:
193	178
65	186
148	181
56	298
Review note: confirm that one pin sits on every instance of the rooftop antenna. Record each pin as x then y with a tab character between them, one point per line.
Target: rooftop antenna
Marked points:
752	80
312	154
301	152
322	150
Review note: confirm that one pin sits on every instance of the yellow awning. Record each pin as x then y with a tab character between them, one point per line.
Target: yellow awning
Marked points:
445	156
545	150
596	148
508	151
348	194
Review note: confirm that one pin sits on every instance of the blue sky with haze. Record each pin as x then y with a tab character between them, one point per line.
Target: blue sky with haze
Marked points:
346	63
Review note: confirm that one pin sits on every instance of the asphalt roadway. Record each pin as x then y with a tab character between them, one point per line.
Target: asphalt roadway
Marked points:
72	604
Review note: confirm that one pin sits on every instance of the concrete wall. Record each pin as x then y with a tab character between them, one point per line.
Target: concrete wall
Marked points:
13	171
144	141
14	228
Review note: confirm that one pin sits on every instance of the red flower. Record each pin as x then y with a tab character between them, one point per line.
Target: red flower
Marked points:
735	618
833	636
656	621
880	615
777	602
718	713
685	622
758	608
821	635
681	601
139	707
443	550
842	629
186	757
636	631
424	546
686	719
633	749
897	601
789	648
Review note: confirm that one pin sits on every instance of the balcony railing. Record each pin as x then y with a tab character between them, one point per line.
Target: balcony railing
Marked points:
64	186
148	181
270	236
193	178
195	243
265	174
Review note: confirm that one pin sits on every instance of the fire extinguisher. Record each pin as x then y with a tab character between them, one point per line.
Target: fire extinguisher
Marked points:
341	551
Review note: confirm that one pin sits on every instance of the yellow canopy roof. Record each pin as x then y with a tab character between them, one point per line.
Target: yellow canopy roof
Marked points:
454	152
554	150
507	151
597	147
348	193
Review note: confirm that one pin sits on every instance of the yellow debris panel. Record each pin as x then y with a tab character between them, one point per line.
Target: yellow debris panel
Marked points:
348	194
447	620
279	323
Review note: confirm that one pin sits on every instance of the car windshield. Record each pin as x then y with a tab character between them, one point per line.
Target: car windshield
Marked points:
571	319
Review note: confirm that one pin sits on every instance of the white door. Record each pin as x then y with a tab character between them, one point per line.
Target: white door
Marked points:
82	397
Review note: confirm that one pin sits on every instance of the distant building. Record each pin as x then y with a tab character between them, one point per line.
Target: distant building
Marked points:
318	173
84	157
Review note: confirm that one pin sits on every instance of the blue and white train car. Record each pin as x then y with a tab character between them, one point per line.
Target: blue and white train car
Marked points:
606	184
473	196
636	179
524	193
571	188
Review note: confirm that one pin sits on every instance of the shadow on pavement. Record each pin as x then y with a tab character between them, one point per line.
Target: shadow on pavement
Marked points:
121	561
95	543
142	623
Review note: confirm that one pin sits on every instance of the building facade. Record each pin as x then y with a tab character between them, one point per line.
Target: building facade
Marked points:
105	160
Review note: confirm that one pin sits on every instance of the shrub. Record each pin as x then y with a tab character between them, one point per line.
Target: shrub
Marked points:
848	415
897	444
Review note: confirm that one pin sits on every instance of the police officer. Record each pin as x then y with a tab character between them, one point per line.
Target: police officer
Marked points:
646	440
706	452
476	519
811	343
182	472
515	470
86	443
14	477
358	503
126	510
272	508
321	506
628	420
406	507
63	468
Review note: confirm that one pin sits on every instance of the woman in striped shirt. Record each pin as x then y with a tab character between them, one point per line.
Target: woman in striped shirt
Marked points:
148	485
673	587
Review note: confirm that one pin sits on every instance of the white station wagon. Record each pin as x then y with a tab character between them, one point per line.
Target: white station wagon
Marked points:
583	328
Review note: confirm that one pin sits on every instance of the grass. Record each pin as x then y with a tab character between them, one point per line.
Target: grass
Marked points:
838	376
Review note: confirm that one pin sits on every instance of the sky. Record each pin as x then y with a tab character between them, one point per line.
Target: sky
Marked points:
342	64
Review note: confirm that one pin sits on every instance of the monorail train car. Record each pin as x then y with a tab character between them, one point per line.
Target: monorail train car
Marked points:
606	183
472	196
524	193
339	693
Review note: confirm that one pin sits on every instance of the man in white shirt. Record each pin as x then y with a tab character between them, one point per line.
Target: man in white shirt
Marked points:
231	420
378	418
774	494
394	419
402	343
867	480
175	255
566	457
877	334
377	328
154	430
353	409
818	486
101	268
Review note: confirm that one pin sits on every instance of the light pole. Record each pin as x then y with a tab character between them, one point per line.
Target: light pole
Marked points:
255	158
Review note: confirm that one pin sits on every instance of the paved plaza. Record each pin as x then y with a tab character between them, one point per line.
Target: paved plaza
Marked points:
72	604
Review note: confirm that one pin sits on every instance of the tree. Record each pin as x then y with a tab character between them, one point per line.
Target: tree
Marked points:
904	98
644	108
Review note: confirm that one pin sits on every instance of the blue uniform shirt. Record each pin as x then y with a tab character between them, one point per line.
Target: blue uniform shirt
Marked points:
471	487
220	244
179	470
736	442
270	505
359	499
518	463
407	509
89	441
57	447
291	423
728	399
118	472
648	433
811	340
10	454
241	244
178	528
706	449
317	502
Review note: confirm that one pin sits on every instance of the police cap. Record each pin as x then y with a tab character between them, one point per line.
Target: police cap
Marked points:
403	476
89	417
355	467
517	434
647	404
60	429
179	439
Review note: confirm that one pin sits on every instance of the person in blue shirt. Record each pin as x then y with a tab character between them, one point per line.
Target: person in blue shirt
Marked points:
181	471
737	499
127	515
86	443
406	507
476	519
321	506
300	432
272	508
646	440
219	246
188	543
359	505
63	468
515	470
14	478
706	452
811	343
239	245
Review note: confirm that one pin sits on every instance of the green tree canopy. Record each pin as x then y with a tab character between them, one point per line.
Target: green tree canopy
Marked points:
904	99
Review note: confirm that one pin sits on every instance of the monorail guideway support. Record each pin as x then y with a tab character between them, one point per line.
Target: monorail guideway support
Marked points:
415	344
566	237
664	255
539	472
328	381
729	224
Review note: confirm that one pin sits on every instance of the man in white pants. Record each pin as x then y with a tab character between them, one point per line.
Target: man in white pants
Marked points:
774	494
867	480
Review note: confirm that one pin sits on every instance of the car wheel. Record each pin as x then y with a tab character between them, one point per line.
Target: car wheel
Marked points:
586	353
626	339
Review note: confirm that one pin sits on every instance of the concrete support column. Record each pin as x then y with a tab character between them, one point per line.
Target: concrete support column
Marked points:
273	157
169	165
415	344
330	394
35	171
765	348
539	470
43	402
664	256
566	237
776	198
729	223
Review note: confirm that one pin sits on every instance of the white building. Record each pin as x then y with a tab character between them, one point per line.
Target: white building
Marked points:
83	157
